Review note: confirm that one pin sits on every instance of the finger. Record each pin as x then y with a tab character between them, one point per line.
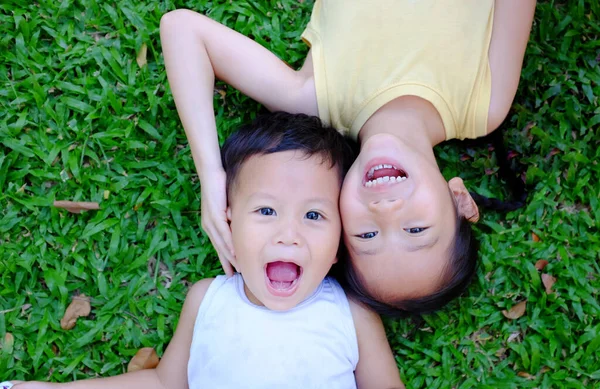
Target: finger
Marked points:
223	254
225	261
226	267
225	234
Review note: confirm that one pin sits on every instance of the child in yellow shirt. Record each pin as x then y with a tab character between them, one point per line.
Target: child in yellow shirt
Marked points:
400	76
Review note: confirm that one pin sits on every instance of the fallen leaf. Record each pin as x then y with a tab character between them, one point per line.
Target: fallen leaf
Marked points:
24	308
77	206
548	282
516	311
106	194
511	154
141	57
513	336
541	264
529	126
526	375
221	92
79	307
8	343
501	353
166	279
553	152
535	237
145	358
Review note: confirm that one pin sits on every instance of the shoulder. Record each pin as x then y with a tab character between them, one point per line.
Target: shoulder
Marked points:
196	294
364	318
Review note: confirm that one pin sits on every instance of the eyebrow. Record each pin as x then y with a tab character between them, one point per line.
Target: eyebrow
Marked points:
423	246
321	200
372	252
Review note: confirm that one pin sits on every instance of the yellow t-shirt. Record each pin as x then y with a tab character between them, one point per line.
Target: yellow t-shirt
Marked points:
367	53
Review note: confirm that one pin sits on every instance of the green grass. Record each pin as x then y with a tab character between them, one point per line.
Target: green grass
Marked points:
79	120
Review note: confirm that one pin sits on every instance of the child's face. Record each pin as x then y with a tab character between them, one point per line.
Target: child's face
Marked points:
398	234
286	226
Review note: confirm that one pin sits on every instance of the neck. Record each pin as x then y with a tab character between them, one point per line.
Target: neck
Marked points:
411	119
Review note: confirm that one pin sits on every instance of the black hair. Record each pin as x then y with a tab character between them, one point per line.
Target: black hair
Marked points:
515	183
457	276
281	131
462	266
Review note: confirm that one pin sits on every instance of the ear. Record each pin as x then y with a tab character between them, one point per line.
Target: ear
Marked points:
228	214
465	203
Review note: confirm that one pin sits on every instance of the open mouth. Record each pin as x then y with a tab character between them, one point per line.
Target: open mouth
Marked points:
282	278
384	174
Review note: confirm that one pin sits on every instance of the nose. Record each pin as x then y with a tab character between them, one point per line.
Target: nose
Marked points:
289	234
385	206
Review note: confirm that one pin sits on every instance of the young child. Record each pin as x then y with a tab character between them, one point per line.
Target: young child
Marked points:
400	76
279	322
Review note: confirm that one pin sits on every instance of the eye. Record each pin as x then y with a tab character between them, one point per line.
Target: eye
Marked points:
415	230
368	235
312	215
266	211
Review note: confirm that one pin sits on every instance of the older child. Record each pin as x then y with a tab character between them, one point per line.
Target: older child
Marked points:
401	76
279	322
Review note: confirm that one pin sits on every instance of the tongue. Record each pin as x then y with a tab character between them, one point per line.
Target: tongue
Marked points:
282	271
385	172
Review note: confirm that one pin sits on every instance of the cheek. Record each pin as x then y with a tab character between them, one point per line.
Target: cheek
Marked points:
351	208
247	237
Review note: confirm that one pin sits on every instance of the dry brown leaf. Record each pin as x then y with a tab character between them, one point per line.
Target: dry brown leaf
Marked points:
548	282
516	311
80	306
535	237
221	92
541	264
145	358
24	308
9	341
526	375
513	336
77	206
141	56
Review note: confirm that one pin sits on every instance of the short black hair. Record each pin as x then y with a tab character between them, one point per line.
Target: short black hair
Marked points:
457	276
281	131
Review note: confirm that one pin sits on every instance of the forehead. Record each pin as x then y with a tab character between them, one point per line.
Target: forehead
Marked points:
396	273
287	172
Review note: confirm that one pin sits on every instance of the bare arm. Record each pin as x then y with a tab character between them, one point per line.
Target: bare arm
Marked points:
171	372
376	368
510	34
196	49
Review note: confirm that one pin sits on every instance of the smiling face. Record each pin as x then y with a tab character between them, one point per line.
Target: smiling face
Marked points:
399	218
285	225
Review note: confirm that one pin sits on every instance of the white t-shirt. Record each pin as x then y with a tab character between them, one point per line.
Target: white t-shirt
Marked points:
237	344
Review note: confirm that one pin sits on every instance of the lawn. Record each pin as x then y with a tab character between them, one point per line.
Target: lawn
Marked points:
85	115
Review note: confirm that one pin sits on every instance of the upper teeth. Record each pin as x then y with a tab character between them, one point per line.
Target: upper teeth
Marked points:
382	180
378	167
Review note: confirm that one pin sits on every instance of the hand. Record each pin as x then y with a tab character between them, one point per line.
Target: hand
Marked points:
214	216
